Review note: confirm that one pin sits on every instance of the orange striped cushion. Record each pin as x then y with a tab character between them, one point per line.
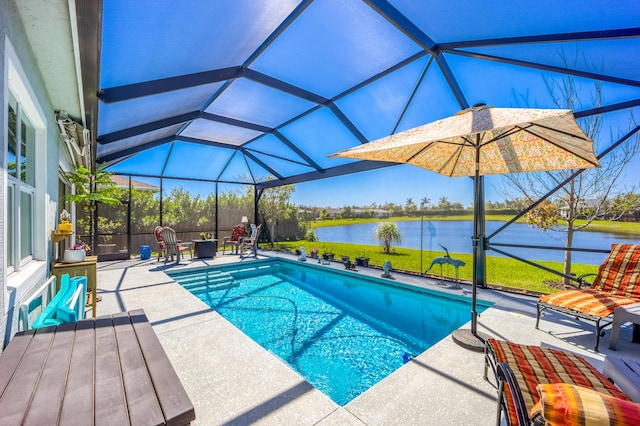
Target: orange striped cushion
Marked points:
533	365
588	302
566	404
620	273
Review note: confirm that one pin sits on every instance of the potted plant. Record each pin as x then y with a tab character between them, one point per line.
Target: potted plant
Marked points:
65	225
92	187
77	253
362	261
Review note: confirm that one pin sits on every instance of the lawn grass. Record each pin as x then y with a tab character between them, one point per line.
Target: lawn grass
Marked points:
500	271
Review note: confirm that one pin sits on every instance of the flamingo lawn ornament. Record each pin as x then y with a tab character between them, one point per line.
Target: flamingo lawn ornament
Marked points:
446	259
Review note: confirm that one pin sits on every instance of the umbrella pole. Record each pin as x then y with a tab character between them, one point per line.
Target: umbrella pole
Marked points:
421	237
479	259
471	339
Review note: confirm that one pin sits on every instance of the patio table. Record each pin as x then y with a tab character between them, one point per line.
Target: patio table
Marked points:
205	248
622	314
106	371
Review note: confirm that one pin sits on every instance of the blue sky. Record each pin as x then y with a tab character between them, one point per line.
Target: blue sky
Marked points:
396	184
329	48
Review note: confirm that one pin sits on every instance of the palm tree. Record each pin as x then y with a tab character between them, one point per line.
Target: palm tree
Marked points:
424	203
387	233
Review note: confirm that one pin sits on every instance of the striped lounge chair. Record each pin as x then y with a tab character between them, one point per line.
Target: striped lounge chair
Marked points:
538	385
617	283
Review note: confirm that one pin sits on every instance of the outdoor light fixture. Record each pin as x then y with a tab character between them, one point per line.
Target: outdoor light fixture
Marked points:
244	222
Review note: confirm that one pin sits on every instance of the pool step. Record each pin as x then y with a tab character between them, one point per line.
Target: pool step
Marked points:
207	281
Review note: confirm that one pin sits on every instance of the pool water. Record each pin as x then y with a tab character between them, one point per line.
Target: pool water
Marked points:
341	331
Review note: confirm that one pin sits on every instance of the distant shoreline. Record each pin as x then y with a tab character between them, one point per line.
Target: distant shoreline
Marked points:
623	228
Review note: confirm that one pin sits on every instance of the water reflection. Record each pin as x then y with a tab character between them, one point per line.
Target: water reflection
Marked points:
456	236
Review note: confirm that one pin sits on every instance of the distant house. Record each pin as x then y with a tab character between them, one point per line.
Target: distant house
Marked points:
582	205
123	183
304	214
360	213
379	213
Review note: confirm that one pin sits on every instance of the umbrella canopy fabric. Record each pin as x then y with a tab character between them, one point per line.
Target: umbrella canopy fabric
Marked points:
499	140
481	141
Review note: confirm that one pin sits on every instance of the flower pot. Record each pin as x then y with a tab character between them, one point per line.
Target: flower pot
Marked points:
362	261
106	248
74	256
65	226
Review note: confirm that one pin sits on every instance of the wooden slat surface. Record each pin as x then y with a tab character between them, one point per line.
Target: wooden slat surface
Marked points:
107	371
11	357
48	396
79	393
17	396
142	402
177	407
110	407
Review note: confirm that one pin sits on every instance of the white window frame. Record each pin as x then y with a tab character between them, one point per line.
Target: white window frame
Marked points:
20	188
26	273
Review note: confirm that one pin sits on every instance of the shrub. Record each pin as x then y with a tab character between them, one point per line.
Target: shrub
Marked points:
387	233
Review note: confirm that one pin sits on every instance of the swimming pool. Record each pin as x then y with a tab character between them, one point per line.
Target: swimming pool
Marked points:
343	332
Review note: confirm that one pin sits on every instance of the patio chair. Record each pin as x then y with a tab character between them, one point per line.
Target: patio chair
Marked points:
67	305
538	385
235	240
161	245
617	283
173	245
252	241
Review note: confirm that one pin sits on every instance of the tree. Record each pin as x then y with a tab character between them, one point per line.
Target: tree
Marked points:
387	234
410	206
347	212
275	206
91	188
623	203
424	203
587	196
444	203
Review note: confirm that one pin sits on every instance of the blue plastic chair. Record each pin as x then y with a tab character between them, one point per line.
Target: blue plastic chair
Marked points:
67	305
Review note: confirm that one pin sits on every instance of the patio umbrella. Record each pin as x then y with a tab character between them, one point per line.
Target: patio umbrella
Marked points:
481	141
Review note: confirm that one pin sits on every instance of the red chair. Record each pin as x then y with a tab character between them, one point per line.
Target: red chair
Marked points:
235	240
162	247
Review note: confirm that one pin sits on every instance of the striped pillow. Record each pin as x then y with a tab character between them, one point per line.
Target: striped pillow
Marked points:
620	273
565	404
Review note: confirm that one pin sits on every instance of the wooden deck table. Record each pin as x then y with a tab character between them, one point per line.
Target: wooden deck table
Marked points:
105	371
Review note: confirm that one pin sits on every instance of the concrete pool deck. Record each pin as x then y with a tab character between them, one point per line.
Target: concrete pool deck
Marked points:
231	380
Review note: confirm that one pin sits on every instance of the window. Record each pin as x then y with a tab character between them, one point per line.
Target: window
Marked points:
21	171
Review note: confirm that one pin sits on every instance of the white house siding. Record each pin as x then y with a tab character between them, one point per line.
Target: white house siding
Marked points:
19	286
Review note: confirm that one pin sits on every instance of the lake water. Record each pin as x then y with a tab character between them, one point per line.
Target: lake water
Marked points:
456	237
